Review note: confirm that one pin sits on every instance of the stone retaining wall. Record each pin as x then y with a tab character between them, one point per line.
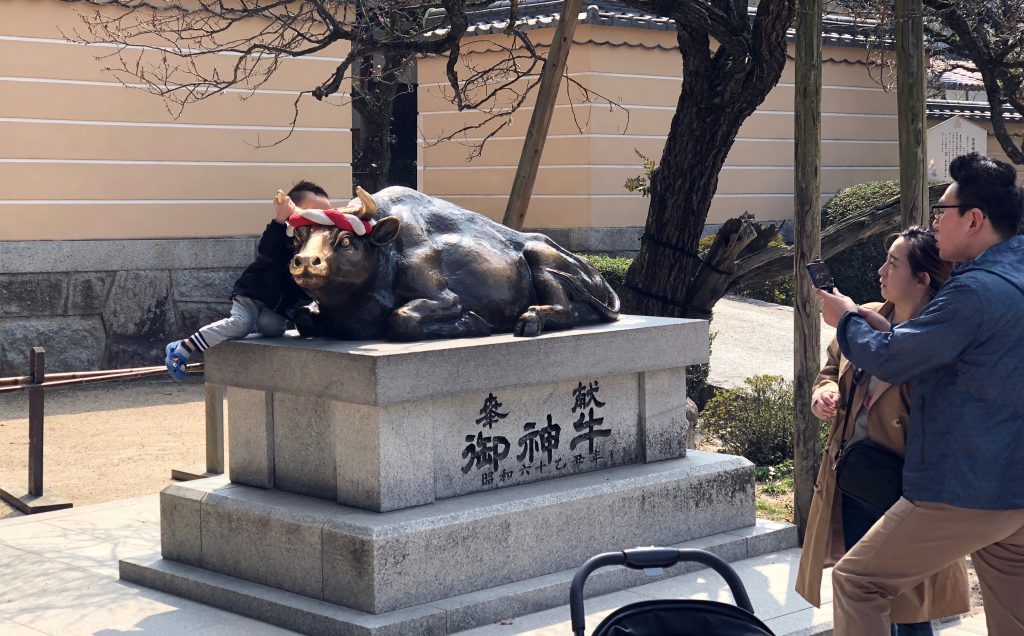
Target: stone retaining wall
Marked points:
110	304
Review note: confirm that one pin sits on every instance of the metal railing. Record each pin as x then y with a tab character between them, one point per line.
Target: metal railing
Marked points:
34	498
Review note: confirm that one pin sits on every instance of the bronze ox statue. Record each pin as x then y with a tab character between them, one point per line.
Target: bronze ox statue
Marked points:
427	268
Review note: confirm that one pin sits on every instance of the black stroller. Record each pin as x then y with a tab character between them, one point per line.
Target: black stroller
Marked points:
668	617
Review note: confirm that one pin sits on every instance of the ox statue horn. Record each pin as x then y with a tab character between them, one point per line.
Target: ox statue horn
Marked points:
369	207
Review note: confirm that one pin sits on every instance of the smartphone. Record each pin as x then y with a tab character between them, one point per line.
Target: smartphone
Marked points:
821	277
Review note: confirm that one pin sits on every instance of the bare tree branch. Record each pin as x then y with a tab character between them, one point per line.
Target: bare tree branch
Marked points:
988	34
186	53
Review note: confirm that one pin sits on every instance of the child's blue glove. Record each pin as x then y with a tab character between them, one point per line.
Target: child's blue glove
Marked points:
177	358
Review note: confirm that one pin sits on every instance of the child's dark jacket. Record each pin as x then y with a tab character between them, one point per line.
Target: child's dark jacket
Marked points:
267	279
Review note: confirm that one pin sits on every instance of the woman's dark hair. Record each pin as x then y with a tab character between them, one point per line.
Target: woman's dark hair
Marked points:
923	256
991	186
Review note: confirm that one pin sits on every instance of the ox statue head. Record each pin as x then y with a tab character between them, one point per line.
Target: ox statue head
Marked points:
335	250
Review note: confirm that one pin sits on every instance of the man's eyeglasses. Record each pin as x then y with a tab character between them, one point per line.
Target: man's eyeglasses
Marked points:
939	210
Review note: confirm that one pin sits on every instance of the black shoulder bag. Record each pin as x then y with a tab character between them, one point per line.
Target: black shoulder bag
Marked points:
867	471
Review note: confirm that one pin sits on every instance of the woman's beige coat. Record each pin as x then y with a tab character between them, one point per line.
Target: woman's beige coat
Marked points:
946	592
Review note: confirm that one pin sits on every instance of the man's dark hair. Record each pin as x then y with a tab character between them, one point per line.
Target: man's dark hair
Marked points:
302	189
991	186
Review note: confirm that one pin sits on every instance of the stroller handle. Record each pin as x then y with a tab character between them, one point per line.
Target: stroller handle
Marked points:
643	558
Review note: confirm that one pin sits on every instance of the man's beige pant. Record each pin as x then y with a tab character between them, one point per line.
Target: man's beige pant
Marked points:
913	541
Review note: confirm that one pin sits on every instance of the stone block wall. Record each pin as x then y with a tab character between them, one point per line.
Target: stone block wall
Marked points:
111	304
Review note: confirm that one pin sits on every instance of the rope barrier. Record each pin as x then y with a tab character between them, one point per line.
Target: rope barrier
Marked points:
75	378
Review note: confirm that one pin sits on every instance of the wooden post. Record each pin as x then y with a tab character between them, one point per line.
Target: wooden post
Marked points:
807	194
36	402
536	135
910	102
214	429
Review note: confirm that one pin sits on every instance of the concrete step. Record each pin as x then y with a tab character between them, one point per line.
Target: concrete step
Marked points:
769	579
468	611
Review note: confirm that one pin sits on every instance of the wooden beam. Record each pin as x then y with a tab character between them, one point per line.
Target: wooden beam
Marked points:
910	103
777	262
806	317
536	135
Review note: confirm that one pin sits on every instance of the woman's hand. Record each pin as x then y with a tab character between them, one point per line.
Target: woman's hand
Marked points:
825	404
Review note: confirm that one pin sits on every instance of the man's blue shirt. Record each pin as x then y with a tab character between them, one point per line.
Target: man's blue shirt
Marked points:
965	439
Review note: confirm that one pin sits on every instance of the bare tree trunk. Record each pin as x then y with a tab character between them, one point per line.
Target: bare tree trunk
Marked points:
721	88
806	318
373	98
910	100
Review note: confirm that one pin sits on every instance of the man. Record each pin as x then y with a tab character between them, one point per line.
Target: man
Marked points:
963	477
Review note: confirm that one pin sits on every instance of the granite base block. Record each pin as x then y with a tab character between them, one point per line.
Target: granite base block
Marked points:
380	562
277	607
374	425
448	616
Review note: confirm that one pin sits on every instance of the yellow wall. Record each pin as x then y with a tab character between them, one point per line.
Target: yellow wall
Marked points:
83	157
581	176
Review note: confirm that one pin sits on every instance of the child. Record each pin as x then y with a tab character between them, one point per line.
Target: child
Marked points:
265	295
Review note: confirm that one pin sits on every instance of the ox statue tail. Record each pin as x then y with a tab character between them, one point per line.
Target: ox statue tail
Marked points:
609	312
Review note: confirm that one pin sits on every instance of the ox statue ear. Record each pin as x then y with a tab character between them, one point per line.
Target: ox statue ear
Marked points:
385	231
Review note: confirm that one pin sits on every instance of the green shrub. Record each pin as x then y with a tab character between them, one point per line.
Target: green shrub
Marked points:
641	183
776	479
755	420
855	269
613	268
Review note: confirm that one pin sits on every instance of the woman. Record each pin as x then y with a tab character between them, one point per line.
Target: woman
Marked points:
909	278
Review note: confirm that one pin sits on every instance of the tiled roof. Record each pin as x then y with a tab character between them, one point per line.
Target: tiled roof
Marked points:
539	14
961	78
944	108
955	74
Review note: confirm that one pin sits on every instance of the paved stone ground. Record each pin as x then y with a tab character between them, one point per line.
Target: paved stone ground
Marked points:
60	578
753	338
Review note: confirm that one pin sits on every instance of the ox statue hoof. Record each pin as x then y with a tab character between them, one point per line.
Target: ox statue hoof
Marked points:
528	325
306	321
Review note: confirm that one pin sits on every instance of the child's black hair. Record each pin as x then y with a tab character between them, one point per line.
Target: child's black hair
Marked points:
302	189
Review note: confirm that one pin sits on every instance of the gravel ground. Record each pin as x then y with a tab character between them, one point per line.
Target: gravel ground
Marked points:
106	441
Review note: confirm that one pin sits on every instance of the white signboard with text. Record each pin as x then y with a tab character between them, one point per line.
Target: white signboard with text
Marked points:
954	137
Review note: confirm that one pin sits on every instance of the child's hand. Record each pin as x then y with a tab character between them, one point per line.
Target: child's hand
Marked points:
283	207
176	359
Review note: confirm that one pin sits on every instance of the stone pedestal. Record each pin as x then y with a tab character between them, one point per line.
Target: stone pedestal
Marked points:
385	426
374	484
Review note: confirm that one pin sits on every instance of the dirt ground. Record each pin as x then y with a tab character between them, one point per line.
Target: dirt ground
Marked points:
107	441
